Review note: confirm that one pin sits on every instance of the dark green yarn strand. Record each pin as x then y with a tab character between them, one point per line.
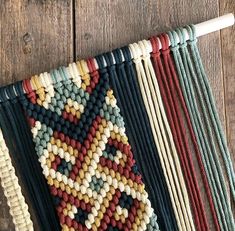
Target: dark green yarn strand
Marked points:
18	138
134	113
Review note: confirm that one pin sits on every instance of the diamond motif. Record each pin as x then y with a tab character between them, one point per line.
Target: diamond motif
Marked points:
84	152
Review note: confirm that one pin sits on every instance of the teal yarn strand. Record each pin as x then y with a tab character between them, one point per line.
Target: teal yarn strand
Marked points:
214	114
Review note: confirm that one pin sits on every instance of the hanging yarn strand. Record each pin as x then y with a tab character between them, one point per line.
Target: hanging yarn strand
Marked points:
154	115
19	141
210	102
174	86
174	125
108	143
213	160
185	71
152	81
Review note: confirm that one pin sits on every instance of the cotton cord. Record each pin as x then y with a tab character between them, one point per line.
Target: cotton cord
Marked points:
12	190
210	104
177	128
84	152
174	85
160	109
134	117
150	80
229	220
185	70
212	171
18	139
156	57
102	61
136	52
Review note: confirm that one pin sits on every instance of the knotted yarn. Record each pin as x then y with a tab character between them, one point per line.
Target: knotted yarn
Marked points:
108	143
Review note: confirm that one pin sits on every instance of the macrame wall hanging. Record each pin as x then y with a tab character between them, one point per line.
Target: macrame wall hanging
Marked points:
108	143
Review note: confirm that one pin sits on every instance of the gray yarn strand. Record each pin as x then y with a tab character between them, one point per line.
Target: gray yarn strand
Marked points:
214	115
208	120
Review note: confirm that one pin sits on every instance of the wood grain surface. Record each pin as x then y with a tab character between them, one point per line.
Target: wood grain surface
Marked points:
37	36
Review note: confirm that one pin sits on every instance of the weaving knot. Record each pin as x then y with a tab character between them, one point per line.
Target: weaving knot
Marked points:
165	52
175	48
192	42
156	55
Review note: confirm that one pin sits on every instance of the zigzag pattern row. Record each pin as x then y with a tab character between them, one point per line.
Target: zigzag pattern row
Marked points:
83	149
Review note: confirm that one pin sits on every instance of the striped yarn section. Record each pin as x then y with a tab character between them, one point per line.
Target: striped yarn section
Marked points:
84	152
153	102
78	156
124	83
197	110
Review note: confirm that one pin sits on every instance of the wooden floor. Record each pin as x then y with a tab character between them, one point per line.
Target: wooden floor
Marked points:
37	36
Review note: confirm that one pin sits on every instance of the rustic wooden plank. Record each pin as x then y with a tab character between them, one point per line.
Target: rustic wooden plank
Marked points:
36	36
228	61
105	25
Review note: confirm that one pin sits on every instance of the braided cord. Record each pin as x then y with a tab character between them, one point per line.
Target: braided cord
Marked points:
12	190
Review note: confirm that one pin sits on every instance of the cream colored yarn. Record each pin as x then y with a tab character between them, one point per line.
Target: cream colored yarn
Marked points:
162	135
12	190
